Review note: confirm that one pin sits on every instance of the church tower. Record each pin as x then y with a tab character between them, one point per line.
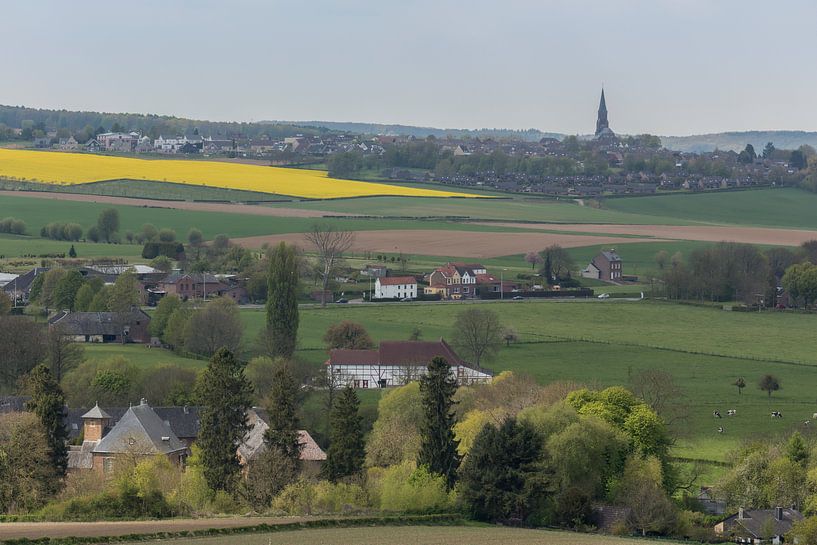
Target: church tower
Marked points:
601	121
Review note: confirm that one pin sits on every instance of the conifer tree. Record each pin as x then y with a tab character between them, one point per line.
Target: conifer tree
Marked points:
225	396
283	419
346	448
48	403
282	302
438	449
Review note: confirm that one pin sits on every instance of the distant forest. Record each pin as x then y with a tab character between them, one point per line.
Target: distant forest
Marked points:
82	123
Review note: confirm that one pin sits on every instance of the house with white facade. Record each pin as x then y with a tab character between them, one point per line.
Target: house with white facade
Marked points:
395	287
395	363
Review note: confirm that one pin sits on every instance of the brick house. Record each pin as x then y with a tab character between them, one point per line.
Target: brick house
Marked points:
199	286
395	363
606	266
455	280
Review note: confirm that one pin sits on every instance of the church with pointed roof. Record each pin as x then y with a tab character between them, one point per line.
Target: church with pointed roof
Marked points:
603	131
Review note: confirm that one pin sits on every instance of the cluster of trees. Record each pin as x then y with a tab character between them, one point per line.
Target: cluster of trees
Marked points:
12	226
106	229
730	271
68	289
62	231
198	329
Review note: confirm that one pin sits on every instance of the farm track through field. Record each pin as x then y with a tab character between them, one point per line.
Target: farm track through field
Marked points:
38	530
249	209
470	244
706	233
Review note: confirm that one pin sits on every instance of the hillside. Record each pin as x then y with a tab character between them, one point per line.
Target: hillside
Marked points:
736	141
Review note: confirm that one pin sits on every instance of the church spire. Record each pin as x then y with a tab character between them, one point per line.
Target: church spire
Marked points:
601	121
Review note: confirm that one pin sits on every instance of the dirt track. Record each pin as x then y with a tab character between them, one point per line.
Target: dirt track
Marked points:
35	530
753	235
448	243
250	209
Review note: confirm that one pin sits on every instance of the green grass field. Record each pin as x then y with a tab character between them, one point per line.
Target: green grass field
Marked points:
511	209
605	343
413	535
785	207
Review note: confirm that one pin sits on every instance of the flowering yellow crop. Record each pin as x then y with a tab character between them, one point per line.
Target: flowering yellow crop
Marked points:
79	168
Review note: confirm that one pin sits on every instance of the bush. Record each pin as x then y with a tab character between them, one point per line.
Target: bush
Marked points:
12	226
171	250
410	489
323	497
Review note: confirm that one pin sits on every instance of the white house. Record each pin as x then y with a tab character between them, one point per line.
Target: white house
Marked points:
395	287
396	363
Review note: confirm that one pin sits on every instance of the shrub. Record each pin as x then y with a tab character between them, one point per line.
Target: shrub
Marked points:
323	497
410	489
12	226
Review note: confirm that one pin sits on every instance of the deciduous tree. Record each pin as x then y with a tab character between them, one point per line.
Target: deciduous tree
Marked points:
478	334
330	245
348	335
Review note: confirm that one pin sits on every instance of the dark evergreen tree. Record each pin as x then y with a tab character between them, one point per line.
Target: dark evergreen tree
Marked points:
283	418
503	477
48	403
282	302
346	448
224	394
438	449
72	252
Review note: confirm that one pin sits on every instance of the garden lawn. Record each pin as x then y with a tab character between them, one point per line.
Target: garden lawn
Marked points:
140	356
783	207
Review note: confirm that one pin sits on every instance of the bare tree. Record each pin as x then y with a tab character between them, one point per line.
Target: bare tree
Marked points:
62	353
478	334
330	245
659	390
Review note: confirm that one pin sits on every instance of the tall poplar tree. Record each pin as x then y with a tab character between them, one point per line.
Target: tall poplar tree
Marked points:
224	394
48	403
283	419
346	448
438	448
282	301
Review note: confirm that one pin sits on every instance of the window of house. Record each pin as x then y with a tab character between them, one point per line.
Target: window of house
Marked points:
365	383
107	465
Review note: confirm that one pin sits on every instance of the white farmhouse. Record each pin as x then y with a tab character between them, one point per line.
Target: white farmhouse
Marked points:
395	287
396	363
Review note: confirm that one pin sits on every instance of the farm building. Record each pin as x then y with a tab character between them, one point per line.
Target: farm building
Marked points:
396	363
395	287
103	327
606	266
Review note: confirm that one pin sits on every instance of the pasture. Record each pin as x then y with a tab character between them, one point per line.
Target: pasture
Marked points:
79	168
606	343
783	207
473	534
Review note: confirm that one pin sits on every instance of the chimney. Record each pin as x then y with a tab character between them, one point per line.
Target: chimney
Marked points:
778	513
740	513
143	401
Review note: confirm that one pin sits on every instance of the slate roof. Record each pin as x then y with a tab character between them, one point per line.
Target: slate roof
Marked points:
197	278
23	282
611	256
13	404
755	520
140	428
184	421
82	457
96	323
97	413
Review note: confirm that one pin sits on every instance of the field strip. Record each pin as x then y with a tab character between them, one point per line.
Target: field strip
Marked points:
471	244
249	209
706	233
38	530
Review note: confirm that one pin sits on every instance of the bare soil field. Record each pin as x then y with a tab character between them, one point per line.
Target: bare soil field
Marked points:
752	235
36	530
178	205
415	535
448	243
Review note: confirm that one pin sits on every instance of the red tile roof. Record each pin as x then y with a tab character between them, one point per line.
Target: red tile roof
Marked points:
397	280
342	356
397	353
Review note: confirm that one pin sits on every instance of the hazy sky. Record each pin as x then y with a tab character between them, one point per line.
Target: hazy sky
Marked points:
668	66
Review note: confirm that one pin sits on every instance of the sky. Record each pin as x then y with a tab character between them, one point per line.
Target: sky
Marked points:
669	67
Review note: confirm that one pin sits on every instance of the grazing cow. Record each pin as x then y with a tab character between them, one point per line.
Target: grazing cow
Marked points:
716	414
814	416
777	414
720	429
731	412
807	422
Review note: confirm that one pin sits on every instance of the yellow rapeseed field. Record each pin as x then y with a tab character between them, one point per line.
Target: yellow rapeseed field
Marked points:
80	168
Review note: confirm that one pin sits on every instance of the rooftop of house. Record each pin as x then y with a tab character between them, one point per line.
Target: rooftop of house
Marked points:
399	353
757	522
253	443
96	323
396	280
610	255
197	278
140	429
183	420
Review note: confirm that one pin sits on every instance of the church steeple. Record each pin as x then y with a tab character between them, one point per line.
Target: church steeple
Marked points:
601	121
